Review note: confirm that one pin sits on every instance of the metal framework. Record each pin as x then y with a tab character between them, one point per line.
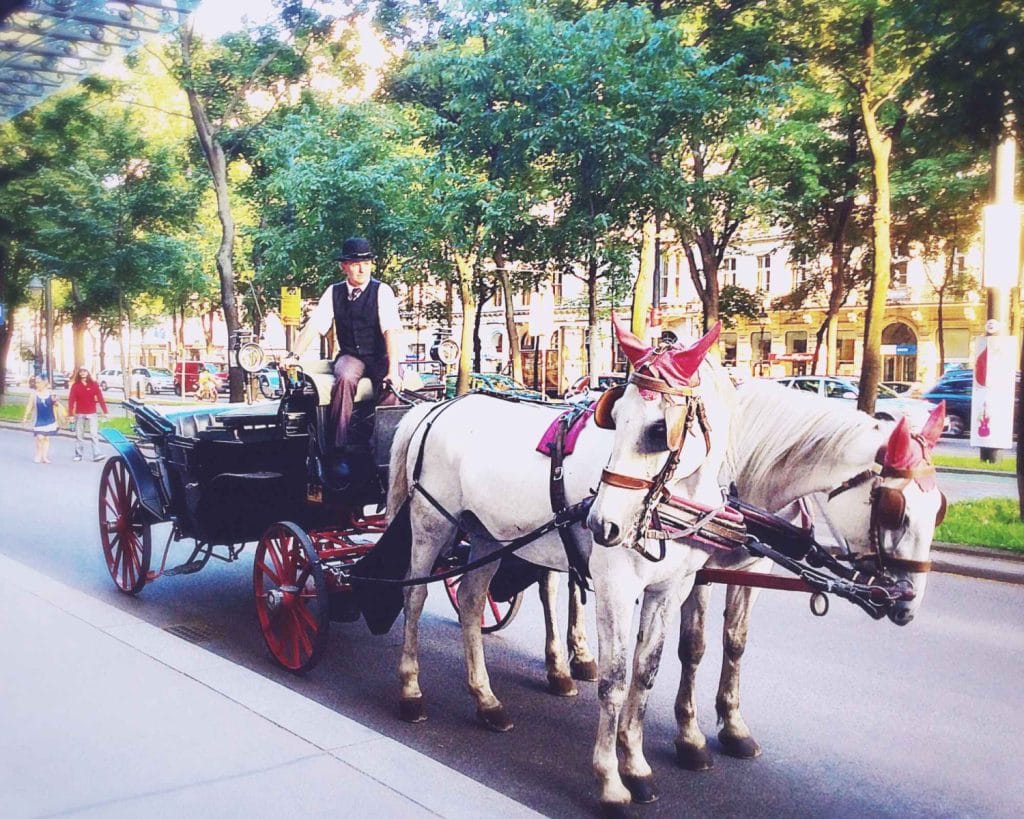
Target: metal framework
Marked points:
47	45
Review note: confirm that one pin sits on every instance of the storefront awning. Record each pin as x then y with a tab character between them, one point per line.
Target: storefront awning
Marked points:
47	45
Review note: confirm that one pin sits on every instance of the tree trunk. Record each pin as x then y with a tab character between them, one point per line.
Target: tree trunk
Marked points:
643	289
592	345
881	147
213	152
125	338
514	353
79	325
481	288
103	349
467	294
5	329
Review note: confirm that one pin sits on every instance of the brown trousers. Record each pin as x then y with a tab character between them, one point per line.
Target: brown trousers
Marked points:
347	371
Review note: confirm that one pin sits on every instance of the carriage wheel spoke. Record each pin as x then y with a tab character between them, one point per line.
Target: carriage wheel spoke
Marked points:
495	610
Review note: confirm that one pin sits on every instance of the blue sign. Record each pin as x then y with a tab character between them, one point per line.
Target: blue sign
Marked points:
3	313
906	349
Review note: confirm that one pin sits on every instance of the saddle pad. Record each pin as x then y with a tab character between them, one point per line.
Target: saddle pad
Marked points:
548	438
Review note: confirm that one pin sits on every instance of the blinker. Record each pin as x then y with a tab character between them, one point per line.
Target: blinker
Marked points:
603	408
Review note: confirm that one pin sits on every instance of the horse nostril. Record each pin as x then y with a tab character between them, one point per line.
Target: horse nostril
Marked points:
901	617
610	534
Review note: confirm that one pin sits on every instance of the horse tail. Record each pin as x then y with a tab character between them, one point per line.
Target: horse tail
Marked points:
398	467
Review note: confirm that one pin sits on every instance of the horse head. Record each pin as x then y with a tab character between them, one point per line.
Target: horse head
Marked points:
662	432
889	522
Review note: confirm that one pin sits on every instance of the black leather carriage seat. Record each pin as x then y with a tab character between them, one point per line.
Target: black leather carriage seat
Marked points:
189	425
321	374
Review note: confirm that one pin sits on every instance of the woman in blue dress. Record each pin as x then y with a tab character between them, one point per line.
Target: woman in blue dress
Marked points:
42	409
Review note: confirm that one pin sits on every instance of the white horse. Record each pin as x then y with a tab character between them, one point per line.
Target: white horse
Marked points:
473	461
784	446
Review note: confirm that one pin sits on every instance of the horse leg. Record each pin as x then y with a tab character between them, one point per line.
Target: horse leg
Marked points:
581	660
472	598
735	735
559	680
428	539
650	641
691	745
615	602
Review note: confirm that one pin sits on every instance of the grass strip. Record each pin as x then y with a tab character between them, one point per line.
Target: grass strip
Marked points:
973	462
991	522
13	409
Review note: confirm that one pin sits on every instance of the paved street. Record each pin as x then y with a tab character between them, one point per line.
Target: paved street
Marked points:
855	717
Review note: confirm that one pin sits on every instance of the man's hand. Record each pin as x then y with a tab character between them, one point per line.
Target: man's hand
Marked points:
394	378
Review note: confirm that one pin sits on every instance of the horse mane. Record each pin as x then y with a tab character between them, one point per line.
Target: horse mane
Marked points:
780	435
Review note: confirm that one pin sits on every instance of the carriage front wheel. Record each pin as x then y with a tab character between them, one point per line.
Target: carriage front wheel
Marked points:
497	613
124	528
292	603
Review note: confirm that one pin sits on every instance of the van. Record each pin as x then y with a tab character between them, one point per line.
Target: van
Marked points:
191	370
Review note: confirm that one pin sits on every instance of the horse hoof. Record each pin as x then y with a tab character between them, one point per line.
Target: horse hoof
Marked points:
739	747
584	671
614	810
410	709
562	686
693	757
641	788
496	718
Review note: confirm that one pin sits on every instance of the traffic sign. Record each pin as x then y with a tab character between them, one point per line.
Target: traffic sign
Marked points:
291	306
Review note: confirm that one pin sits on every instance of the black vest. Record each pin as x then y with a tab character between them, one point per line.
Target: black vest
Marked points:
357	323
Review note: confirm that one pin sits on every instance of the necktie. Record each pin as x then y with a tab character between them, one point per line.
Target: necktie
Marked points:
354	293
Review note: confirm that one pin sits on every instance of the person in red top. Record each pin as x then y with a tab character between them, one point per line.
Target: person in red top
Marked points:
83	400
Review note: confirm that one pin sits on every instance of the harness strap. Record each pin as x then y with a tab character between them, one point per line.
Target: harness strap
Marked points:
579	571
624	481
646	382
856	480
922	470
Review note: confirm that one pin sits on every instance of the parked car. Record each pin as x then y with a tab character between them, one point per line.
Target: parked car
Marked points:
59	381
956	388
580	390
889	405
494	382
152	379
910	389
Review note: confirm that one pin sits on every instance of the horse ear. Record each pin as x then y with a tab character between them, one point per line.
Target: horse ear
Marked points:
635	350
932	429
686	362
898	451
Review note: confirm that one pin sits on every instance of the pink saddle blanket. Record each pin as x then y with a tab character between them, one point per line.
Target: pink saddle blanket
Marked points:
548	438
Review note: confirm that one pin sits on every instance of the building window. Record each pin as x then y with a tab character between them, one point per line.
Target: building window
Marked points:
845	349
764	273
528	342
727	343
899	275
526	297
761	345
499	296
498	340
796	341
556	288
728	271
665	279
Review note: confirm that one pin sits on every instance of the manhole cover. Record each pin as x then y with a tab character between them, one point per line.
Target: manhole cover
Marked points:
193	632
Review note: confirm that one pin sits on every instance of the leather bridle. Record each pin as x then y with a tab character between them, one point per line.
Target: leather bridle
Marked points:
888	514
655	487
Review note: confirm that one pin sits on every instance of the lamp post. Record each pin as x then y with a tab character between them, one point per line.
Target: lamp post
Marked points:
762	317
44	286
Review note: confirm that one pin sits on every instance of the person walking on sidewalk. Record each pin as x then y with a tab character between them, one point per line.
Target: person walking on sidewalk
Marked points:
84	400
43	409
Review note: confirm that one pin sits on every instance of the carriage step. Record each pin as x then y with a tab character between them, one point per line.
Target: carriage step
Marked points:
191	567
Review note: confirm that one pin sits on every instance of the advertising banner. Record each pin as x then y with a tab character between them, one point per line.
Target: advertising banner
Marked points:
992	397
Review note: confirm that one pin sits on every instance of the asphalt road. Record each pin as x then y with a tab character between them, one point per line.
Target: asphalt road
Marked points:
855	717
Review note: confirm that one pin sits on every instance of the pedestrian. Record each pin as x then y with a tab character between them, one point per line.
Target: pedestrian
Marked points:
84	400
364	312
44	411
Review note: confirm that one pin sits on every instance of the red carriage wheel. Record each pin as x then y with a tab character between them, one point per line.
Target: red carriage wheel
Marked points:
292	603
497	613
124	528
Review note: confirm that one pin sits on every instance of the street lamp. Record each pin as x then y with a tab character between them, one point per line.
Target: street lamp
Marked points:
44	287
762	317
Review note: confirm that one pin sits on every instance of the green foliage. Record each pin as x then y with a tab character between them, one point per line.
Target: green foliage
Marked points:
738	302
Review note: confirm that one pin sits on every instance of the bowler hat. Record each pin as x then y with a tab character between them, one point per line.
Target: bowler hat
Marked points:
355	249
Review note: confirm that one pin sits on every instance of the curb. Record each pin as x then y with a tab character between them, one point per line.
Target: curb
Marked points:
959	470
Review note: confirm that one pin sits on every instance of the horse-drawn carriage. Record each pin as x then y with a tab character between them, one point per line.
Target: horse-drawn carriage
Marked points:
224	477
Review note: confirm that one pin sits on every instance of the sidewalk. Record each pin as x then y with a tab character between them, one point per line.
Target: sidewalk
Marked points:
102	714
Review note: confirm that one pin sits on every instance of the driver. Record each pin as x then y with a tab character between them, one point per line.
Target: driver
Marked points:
364	312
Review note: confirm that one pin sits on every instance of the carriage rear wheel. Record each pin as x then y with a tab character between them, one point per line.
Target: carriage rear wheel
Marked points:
497	613
292	603
124	529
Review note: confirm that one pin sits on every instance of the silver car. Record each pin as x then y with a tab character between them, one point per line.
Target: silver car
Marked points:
889	405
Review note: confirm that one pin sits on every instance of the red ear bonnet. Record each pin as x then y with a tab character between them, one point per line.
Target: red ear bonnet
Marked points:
635	350
899	454
679	366
932	429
